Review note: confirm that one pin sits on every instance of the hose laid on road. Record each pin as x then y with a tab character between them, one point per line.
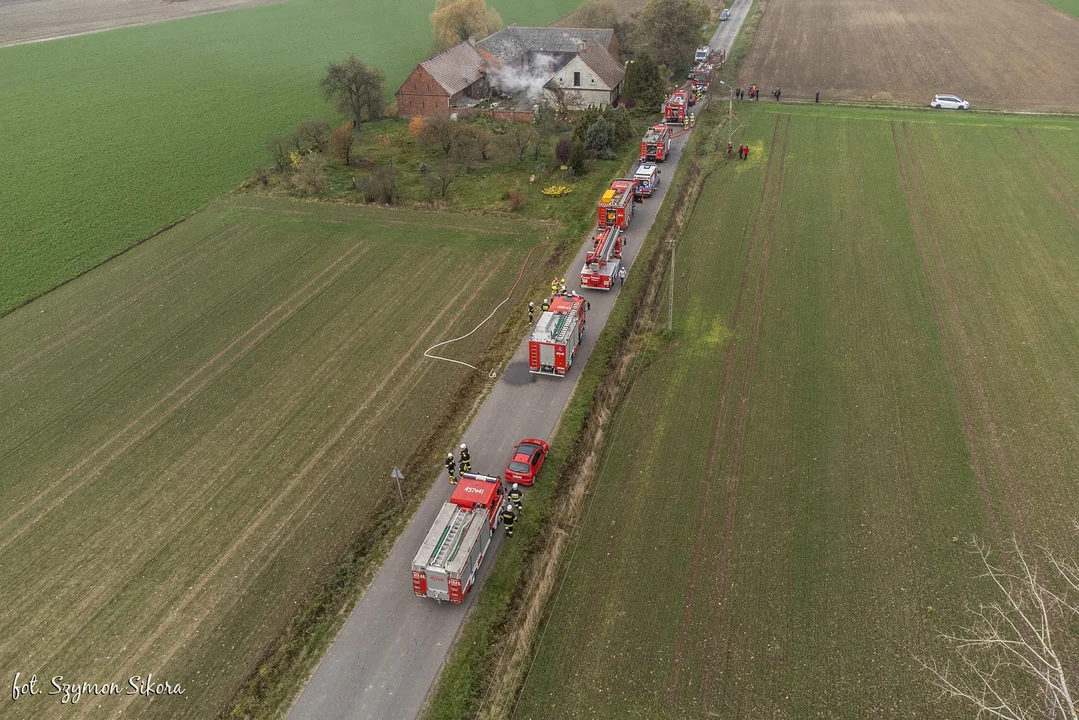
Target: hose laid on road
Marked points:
427	352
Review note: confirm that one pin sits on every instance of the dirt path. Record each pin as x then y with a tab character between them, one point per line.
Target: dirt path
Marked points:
29	21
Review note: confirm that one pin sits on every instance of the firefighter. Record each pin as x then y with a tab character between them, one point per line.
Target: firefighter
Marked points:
730	148
509	517
450	467
466	459
545	305
531	312
562	286
692	120
517	497
554	286
685	122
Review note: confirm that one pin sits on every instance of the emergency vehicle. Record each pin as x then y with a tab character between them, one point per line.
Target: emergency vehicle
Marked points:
647	179
616	205
556	337
446	565
603	260
676	106
656	143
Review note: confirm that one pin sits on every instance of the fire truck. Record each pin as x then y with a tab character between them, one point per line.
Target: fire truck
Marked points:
449	558
556	337
674	110
603	260
656	143
616	205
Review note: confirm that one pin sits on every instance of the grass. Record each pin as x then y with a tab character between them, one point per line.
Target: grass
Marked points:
180	430
115	135
868	399
1068	6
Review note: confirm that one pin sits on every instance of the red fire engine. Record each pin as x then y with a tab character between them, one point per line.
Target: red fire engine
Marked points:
656	143
557	335
674	110
602	262
616	205
449	558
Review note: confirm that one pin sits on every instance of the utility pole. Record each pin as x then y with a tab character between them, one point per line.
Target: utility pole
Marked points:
396	475
670	303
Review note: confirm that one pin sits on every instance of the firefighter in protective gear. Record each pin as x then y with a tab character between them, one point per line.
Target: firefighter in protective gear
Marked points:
466	459
531	312
517	496
692	120
450	468
685	122
509	517
562	286
545	305
554	286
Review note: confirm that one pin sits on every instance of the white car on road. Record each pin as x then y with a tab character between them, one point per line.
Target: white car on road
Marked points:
951	102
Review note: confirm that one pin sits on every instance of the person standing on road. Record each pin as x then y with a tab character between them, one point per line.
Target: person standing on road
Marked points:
817	100
517	497
450	468
621	276
509	518
562	287
531	312
466	459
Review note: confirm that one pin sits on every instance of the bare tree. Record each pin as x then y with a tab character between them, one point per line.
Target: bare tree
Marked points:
355	89
446	172
341	141
279	150
518	138
441	132
309	178
1017	658
314	134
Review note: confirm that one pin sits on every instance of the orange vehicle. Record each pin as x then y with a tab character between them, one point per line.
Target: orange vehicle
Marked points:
616	205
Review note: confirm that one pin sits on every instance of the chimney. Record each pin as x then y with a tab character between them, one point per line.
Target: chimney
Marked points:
581	46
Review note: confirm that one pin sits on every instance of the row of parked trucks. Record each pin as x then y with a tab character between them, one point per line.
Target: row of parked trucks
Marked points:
446	565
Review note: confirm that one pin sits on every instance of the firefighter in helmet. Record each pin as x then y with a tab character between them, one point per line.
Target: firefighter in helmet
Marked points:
685	122
554	286
545	305
450	467
466	459
562	286
692	120
509	517
531	311
517	496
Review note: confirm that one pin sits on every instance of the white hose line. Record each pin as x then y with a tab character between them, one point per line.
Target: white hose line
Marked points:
427	352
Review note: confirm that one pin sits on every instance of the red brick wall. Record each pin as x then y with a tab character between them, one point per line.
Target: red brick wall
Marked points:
421	95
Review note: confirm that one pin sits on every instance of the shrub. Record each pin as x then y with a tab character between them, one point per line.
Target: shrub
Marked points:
562	151
600	135
309	178
415	127
577	158
378	186
517	200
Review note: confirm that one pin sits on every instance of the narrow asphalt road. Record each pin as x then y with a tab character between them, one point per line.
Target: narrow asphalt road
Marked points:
390	650
723	38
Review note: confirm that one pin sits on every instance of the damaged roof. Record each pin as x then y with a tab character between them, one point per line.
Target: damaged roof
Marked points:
455	69
512	42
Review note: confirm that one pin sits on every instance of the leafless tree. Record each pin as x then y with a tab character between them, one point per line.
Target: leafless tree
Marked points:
518	138
341	142
1017	658
446	172
312	134
355	89
440	132
279	151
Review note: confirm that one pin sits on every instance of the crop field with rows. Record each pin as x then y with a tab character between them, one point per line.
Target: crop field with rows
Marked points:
192	434
873	362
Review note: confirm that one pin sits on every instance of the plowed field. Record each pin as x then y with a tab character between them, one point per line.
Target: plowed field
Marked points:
876	321
191	434
1016	54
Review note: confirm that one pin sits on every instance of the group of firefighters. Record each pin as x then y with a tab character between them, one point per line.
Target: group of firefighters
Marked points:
558	287
515	495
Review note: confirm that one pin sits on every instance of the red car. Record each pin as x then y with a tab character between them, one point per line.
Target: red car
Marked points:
526	462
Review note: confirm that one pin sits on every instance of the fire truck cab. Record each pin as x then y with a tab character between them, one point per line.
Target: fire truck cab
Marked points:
656	143
616	205
447	562
556	337
647	179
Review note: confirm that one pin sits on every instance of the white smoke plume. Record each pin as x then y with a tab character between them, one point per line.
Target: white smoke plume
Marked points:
529	78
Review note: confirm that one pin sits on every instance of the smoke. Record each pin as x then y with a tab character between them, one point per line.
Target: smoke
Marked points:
529	78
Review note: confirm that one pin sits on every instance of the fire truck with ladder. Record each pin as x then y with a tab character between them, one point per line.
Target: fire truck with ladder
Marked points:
556	337
603	260
656	143
446	565
616	205
676	106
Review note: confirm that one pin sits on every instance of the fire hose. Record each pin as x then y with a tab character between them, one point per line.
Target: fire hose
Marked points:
427	352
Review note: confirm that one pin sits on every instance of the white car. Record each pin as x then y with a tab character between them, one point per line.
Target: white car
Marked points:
951	102
702	53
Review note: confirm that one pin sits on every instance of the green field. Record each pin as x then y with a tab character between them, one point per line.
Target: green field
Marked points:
874	352
191	434
1068	6
114	135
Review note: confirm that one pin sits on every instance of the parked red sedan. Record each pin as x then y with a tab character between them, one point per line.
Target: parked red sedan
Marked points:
526	461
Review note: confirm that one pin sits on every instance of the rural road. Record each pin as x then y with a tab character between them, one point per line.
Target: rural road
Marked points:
723	38
390	650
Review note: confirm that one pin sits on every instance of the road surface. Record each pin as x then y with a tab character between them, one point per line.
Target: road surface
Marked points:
723	38
389	652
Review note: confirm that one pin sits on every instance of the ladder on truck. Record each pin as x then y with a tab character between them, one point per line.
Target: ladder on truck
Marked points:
562	330
604	252
451	538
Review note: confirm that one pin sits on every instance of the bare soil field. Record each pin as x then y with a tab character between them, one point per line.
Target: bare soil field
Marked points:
1014	54
24	21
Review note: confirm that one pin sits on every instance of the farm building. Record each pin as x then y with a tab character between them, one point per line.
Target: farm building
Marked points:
592	77
517	46
436	85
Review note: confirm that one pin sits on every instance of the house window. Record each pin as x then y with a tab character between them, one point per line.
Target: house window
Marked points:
576	79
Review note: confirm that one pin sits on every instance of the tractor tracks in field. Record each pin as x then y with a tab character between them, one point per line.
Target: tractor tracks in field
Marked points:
771	190
960	360
1043	159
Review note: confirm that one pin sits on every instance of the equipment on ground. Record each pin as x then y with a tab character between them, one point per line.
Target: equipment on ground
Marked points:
446	565
656	143
556	337
616	205
647	178
674	109
603	260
